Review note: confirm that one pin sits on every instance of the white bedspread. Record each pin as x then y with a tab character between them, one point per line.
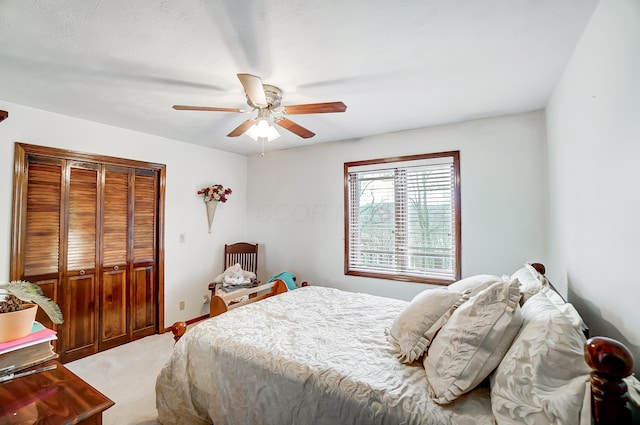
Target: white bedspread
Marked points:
310	356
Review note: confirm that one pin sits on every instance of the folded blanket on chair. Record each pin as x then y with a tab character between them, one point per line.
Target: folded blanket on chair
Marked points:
287	278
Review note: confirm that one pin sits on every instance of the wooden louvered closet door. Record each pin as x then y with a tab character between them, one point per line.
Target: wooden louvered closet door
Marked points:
143	292
115	246
89	234
128	291
41	237
79	281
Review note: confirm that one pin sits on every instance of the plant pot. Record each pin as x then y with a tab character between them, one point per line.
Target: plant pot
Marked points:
17	324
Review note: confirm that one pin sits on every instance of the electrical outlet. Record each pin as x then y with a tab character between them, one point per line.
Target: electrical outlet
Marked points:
205	299
181	305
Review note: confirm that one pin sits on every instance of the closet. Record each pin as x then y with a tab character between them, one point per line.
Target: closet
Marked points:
88	230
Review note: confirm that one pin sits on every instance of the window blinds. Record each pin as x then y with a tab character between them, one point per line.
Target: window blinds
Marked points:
402	218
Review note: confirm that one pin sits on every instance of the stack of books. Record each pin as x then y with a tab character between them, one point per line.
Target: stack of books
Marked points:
31	350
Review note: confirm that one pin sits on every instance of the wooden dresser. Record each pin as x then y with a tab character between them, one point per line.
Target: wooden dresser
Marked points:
52	397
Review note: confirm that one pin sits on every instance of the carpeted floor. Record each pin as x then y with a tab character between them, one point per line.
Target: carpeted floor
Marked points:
127	375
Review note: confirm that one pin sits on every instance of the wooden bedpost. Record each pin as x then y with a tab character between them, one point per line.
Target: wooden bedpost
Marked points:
178	329
610	362
540	268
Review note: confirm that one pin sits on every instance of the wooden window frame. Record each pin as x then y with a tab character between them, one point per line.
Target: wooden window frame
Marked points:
385	163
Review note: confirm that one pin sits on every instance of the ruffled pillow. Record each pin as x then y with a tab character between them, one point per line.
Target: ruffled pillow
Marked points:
531	281
541	379
473	341
474	284
415	326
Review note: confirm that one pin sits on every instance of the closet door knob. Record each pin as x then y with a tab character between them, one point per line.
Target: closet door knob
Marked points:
82	272
115	268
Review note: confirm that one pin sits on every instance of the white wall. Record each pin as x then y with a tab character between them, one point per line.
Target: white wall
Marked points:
189	266
594	174
295	203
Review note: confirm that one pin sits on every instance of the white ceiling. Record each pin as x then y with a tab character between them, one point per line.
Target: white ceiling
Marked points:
397	65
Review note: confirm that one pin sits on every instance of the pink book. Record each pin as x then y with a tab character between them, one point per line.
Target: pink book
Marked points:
38	334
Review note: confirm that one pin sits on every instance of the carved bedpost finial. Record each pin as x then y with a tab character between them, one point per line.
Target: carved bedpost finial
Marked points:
178	329
610	362
540	268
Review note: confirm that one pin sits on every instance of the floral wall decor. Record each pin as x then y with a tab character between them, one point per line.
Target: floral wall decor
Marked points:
212	195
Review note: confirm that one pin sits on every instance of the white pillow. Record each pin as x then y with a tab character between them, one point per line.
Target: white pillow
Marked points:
414	328
474	284
566	308
541	379
472	342
531	281
633	386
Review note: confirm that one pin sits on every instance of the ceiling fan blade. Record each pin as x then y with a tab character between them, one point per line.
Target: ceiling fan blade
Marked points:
204	108
241	129
254	90
295	128
315	108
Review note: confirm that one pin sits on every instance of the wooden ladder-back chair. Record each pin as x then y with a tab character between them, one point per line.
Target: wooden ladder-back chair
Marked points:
243	253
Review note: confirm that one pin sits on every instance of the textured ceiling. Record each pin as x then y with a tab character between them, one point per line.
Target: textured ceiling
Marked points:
396	64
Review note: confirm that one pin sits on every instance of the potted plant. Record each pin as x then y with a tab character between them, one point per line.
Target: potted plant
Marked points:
19	301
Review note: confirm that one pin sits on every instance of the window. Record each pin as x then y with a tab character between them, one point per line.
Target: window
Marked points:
402	218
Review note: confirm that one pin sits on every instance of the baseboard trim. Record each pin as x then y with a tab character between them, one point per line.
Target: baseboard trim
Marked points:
189	322
197	319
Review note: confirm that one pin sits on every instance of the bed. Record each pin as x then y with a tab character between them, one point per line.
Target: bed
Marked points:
319	355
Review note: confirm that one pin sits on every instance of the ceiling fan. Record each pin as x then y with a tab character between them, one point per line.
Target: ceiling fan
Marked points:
266	99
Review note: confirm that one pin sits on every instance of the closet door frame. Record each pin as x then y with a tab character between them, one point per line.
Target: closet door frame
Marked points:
21	153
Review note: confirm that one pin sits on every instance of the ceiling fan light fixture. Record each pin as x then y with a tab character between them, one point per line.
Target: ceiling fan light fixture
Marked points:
263	130
266	99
